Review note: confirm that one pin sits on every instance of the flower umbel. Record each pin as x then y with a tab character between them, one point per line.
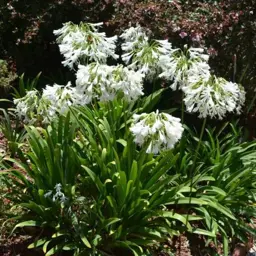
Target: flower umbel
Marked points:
142	54
56	100
134	38
213	97
157	131
177	66
104	82
82	43
26	107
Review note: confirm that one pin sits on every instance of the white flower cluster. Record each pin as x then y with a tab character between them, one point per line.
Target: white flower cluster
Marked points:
105	82
134	38
56	100
26	107
139	54
157	58
203	93
58	196
178	66
157	131
95	80
213	97
145	58
142	54
84	42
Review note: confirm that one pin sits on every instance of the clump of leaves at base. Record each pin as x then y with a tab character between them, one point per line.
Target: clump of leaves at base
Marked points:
91	190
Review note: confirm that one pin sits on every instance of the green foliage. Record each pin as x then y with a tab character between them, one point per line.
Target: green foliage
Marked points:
12	131
116	196
229	165
25	86
50	161
128	187
88	189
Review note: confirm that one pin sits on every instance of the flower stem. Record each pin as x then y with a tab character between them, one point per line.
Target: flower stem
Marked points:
198	145
182	108
192	172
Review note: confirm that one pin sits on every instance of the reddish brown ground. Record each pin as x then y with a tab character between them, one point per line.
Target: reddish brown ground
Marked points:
17	246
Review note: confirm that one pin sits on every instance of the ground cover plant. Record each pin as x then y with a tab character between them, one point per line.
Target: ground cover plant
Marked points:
104	172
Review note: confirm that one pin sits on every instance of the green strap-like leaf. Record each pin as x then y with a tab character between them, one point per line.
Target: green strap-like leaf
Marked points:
85	240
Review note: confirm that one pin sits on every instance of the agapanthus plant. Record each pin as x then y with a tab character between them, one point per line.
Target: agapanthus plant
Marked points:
119	181
157	131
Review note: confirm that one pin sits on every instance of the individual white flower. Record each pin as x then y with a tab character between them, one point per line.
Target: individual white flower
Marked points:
83	43
26	107
56	100
165	47
178	66
48	194
157	131
213	97
198	53
104	82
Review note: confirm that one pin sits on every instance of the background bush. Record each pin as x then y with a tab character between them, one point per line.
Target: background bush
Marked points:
225	27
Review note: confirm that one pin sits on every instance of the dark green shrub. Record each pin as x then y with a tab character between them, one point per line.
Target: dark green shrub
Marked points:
7	78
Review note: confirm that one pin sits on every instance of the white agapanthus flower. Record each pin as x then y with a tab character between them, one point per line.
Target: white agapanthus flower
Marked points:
129	82
143	54
178	66
26	107
157	131
143	59
214	97
103	82
198	53
56	100
134	38
84	43
139	52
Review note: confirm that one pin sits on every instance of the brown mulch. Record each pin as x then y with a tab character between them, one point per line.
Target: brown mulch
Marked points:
18	246
3	143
